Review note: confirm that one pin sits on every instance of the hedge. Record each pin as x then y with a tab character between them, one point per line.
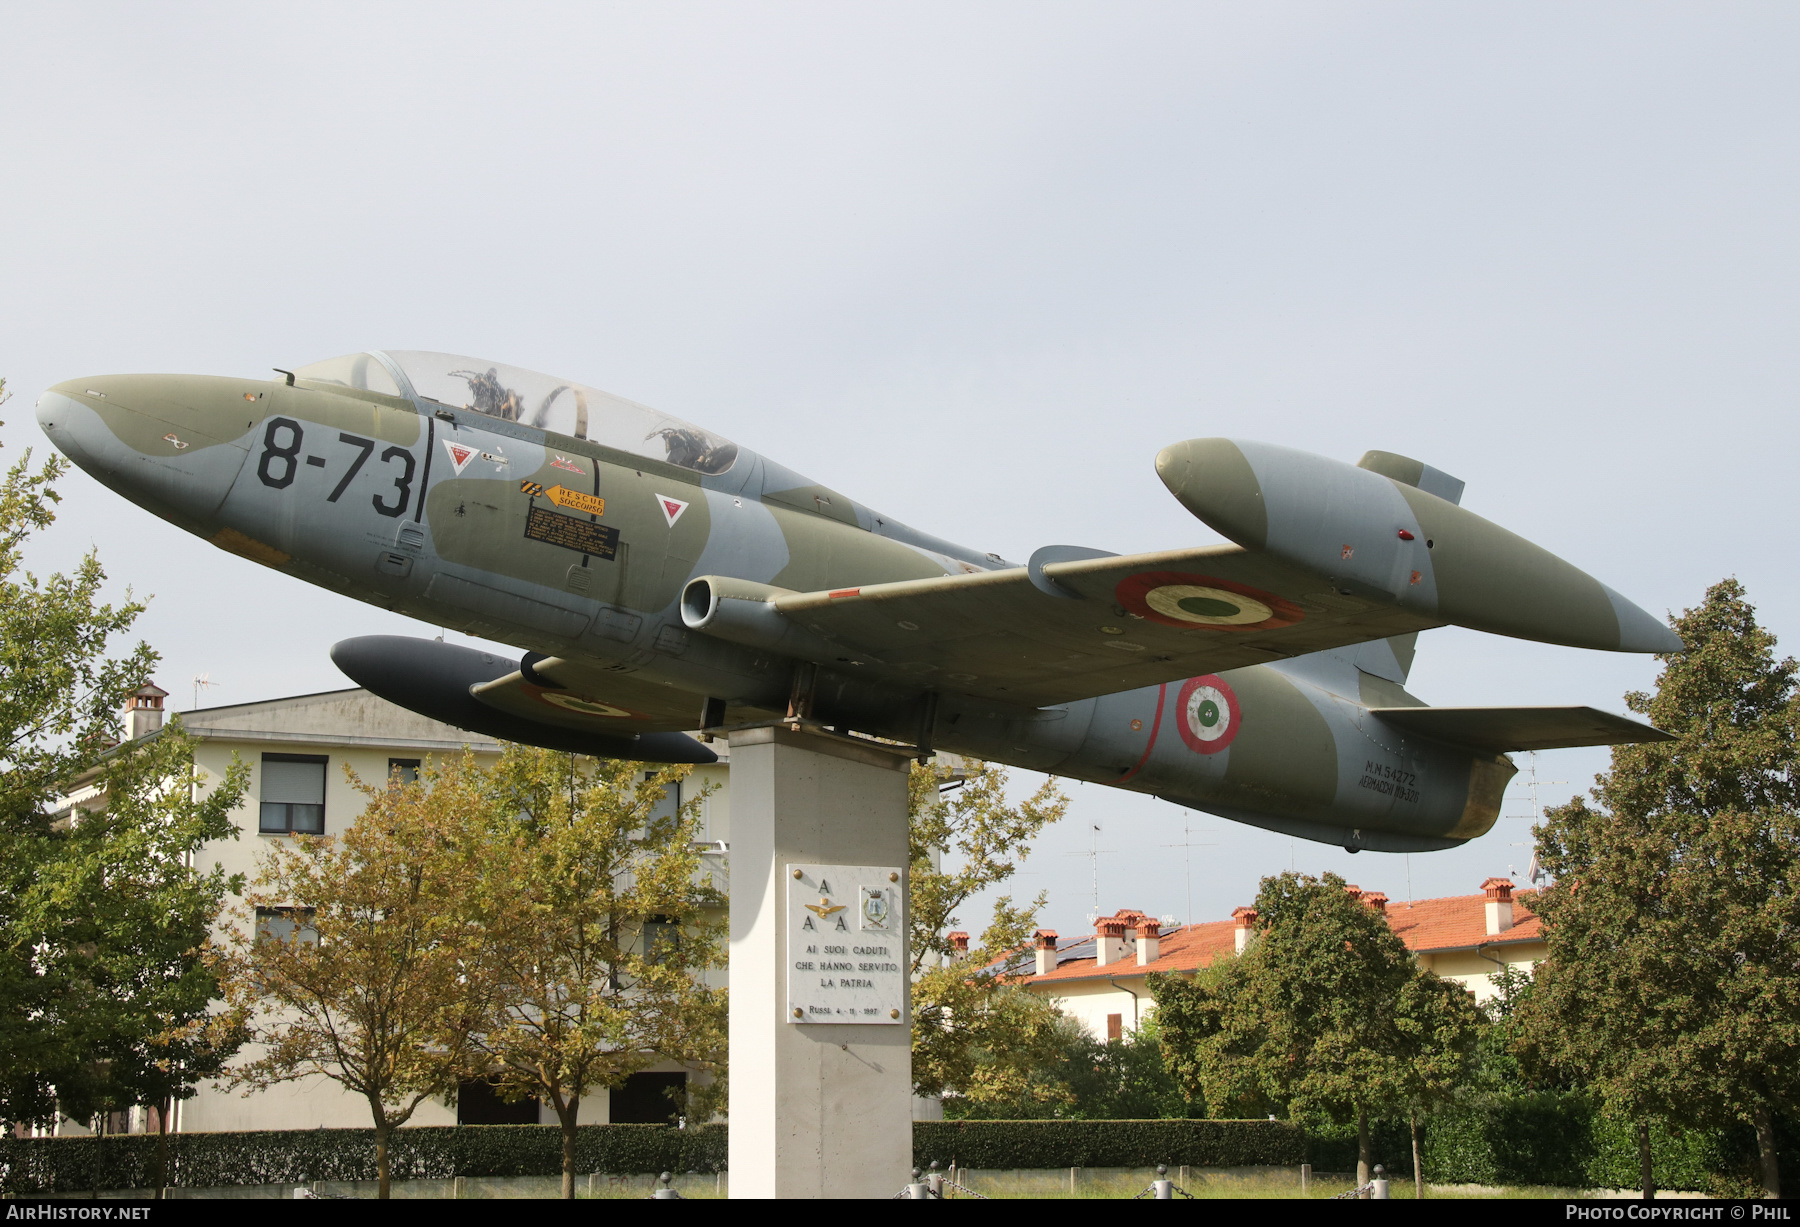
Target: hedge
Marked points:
1554	1139
1108	1143
297	1156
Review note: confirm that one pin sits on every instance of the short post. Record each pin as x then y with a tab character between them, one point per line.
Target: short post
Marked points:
1380	1191
935	1179
1162	1188
1305	1178
918	1190
666	1193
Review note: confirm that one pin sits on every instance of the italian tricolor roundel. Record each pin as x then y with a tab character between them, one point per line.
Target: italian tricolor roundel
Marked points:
1207	714
582	705
1204	602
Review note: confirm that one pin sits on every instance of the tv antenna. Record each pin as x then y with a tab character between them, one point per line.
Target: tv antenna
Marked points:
1094	854
1533	785
202	681
1188	845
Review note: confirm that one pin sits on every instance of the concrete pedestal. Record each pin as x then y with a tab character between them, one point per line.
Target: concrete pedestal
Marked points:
817	1109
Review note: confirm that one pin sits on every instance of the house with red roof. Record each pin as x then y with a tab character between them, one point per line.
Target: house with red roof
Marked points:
1099	978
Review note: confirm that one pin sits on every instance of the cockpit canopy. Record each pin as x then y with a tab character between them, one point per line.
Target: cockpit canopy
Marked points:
531	399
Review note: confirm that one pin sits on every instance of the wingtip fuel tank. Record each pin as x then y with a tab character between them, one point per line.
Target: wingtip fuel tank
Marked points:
1374	535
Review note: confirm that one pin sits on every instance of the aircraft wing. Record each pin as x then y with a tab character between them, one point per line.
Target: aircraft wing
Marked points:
1062	631
573	694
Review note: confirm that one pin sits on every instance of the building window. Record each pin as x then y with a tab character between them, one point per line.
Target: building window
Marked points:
669	804
645	1099
662	938
403	771
478	1103
1115	1027
293	794
286	924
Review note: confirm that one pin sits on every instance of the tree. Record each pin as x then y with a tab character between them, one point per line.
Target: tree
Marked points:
1325	1015
975	1033
359	958
102	919
152	914
601	923
1672	986
1093	1079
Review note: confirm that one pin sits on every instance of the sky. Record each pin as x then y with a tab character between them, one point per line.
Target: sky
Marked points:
974	265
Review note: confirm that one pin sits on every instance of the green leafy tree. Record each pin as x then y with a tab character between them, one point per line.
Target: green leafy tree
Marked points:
360	958
602	922
153	914
1325	1015
1093	1079
975	1033
1672	987
102	920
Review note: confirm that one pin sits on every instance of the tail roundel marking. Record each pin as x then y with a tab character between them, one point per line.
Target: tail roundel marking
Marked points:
1207	714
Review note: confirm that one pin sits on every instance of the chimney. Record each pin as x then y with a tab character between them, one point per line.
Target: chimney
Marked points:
959	945
1355	892
144	711
1045	943
1499	905
1149	941
1242	921
1109	942
1376	900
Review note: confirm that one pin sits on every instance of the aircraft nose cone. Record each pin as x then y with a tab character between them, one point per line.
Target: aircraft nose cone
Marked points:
167	443
54	412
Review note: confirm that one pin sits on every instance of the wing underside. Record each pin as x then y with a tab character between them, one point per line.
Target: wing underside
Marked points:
1073	630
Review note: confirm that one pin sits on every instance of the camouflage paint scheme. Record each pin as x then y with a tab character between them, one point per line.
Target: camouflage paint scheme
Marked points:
1262	681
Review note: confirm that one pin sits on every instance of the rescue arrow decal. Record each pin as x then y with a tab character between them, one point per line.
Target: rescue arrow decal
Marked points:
562	496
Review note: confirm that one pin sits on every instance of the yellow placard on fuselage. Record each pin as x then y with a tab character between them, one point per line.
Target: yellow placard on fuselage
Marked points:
562	496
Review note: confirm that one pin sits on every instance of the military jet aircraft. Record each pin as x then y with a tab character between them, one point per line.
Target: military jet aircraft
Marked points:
661	578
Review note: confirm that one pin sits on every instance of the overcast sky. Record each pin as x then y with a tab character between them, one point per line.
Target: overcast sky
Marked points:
972	264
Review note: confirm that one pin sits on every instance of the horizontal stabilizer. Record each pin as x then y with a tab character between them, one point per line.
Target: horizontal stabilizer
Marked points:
1521	728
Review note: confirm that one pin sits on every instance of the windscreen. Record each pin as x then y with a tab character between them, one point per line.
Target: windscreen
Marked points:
533	399
351	371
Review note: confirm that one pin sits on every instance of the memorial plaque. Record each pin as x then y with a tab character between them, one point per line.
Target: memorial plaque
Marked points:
846	938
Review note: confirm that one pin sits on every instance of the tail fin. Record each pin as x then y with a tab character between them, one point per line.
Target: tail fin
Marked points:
1414	473
1393	658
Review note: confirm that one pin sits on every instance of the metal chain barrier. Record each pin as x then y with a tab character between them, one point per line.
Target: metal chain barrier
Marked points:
1376	1189
918	1190
1164	1189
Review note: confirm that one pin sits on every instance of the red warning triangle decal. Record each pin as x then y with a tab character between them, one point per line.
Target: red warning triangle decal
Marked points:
671	508
459	455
